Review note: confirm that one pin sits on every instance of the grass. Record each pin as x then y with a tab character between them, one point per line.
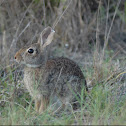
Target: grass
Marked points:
99	108
104	104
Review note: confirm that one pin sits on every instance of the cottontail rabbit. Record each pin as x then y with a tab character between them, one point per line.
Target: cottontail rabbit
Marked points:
59	76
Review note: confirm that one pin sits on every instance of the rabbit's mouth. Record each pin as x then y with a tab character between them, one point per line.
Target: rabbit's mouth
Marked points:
20	61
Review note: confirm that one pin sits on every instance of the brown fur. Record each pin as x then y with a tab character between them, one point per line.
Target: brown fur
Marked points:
59	76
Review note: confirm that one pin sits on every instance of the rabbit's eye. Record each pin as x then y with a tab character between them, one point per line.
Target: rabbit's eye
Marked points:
30	51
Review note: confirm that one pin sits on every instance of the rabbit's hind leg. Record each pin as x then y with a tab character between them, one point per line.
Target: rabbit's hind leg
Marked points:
44	102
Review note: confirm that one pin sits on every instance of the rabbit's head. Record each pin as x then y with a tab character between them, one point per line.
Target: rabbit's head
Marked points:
33	55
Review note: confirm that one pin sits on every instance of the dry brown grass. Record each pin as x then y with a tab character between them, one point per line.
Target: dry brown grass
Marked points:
91	32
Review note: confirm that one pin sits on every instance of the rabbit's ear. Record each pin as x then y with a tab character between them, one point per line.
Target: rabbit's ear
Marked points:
46	37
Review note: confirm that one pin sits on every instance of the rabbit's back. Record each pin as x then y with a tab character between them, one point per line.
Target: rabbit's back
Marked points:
64	66
63	75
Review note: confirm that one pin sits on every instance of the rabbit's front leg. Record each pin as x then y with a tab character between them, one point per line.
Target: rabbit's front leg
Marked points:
37	105
44	102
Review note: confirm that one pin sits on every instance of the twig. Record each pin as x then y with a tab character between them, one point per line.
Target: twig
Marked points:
59	18
120	74
44	12
24	29
106	42
97	30
15	36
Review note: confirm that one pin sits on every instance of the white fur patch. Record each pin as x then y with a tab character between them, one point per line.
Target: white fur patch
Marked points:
52	30
33	65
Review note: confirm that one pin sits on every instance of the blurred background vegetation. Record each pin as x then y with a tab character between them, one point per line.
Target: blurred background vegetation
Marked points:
91	32
84	24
